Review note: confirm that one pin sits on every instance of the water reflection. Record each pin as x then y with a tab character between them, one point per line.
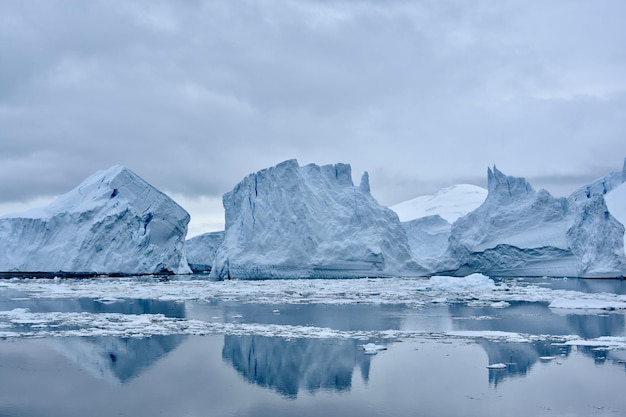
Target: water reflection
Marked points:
114	359
520	357
536	319
288	365
590	286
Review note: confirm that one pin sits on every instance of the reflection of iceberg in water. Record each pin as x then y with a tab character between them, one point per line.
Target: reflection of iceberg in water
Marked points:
286	365
533	318
116	359
519	357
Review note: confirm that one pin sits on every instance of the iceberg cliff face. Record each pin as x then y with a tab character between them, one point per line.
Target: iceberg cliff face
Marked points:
428	239
520	231
201	250
301	222
597	239
113	222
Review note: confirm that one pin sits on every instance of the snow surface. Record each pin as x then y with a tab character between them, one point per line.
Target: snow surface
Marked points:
309	222
449	203
113	222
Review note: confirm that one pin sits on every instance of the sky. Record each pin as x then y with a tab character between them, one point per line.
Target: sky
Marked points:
195	95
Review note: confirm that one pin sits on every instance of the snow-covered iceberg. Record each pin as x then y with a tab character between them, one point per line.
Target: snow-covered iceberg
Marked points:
450	203
114	222
524	232
201	250
295	222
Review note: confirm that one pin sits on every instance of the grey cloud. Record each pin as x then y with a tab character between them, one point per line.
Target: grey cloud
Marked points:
195	95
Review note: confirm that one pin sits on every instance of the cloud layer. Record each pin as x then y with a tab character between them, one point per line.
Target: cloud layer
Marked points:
423	94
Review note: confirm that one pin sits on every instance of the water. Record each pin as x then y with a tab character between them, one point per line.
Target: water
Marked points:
277	348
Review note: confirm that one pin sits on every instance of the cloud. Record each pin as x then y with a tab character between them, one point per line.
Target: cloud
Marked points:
195	95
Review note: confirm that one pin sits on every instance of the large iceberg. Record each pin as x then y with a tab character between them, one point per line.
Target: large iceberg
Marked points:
114	222
302	222
520	231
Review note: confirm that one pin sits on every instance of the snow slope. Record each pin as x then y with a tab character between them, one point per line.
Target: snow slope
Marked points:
450	203
291	222
521	231
113	222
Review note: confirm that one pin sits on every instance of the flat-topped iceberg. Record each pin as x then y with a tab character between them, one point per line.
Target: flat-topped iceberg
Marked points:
114	222
295	222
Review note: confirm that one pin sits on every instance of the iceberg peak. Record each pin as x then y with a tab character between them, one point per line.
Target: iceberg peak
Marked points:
502	186
364	186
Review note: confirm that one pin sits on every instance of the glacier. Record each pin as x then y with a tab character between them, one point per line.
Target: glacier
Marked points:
289	221
114	222
519	231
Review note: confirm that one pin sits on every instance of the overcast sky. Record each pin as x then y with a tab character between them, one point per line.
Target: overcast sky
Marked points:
195	95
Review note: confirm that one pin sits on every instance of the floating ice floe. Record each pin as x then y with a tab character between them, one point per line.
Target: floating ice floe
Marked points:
476	290
497	366
372	348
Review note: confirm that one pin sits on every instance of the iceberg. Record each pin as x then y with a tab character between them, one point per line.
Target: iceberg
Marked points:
201	250
597	240
309	222
114	222
602	185
428	220
519	231
428	239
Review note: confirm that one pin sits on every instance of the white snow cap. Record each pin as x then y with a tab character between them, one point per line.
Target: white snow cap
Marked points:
450	203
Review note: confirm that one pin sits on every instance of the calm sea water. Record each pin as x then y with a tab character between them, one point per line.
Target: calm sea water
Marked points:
251	372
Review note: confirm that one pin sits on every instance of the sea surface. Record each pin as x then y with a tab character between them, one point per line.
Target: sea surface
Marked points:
187	346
